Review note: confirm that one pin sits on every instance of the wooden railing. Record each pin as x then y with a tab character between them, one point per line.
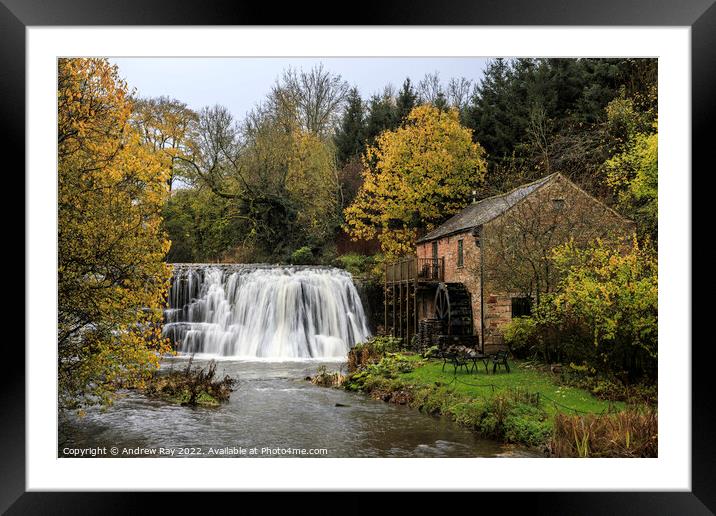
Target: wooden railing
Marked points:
411	268
431	269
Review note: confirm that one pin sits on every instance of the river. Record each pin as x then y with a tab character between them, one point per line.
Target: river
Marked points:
274	409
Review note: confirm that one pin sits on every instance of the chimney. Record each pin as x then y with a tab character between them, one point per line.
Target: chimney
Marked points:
474	193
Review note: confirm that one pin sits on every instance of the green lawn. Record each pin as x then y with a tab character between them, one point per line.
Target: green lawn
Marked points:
521	377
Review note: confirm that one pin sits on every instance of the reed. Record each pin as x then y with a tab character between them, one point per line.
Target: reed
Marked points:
630	433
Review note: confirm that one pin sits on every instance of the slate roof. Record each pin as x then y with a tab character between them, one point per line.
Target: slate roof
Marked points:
483	211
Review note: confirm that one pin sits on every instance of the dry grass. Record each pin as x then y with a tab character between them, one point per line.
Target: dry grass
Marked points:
361	356
631	433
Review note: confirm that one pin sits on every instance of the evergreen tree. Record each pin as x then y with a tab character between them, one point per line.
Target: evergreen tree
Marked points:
350	136
536	116
489	115
382	116
441	101
407	99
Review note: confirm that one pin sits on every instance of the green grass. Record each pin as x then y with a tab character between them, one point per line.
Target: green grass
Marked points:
521	377
520	407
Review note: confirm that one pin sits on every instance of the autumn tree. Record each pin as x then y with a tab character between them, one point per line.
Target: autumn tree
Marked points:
612	294
423	172
633	171
112	279
280	178
166	125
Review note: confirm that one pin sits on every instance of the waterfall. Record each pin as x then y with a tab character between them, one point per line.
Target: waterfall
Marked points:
255	311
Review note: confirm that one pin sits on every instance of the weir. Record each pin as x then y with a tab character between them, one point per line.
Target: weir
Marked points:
260	311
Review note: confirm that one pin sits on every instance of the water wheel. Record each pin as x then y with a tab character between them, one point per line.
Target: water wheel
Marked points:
453	307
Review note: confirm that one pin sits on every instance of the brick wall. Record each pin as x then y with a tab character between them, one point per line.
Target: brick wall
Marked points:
468	274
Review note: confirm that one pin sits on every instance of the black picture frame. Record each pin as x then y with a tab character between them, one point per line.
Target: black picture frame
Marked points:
700	15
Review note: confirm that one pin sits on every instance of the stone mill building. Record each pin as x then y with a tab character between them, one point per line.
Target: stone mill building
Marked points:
485	265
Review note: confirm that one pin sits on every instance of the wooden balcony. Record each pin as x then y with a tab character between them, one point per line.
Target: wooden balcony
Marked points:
411	269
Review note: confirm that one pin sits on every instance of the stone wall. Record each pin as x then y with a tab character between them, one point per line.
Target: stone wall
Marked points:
512	247
559	207
372	297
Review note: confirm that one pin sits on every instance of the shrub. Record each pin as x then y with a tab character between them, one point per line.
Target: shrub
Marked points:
324	378
191	386
521	336
610	386
302	256
431	352
526	424
372	351
514	417
356	264
603	314
613	294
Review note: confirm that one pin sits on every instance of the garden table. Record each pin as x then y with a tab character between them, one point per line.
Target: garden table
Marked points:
478	356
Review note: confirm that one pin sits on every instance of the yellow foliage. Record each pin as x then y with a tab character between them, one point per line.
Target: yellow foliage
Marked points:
414	178
112	279
312	181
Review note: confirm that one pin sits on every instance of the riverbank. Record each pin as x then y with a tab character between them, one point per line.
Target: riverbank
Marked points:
528	406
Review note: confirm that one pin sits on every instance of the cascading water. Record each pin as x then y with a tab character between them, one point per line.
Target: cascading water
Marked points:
252	311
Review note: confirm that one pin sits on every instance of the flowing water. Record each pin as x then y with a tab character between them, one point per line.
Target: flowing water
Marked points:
252	311
270	327
274	408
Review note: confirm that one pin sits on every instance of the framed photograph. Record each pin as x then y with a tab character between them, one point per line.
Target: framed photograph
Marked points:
431	249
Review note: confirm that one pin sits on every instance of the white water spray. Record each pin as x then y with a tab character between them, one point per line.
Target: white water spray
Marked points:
249	311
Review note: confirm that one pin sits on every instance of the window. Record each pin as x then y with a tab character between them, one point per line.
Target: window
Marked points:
477	233
521	306
435	250
558	204
459	253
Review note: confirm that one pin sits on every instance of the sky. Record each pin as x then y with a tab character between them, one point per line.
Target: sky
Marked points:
241	83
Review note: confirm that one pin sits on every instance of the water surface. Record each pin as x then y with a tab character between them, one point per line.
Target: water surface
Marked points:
273	410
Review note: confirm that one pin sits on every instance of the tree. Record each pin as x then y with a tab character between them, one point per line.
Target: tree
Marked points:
490	113
430	88
613	294
382	116
203	227
633	170
407	99
423	172
280	178
112	279
167	125
535	116
517	247
313	98
349	138
312	181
